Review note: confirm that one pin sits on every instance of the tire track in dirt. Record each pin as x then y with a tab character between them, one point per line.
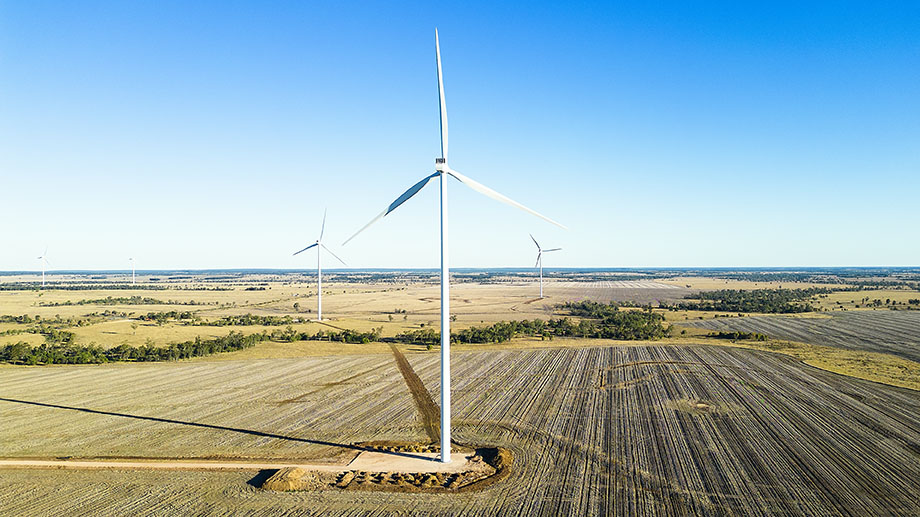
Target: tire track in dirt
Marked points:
428	410
327	385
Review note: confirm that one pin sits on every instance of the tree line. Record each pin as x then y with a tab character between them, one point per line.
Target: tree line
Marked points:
61	350
122	300
66	353
597	321
773	301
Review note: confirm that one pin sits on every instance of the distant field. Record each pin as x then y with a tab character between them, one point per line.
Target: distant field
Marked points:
700	283
636	291
594	431
851	299
356	306
31	339
891	332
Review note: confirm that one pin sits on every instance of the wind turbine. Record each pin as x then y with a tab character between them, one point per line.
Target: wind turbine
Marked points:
442	170
540	252
133	276
44	261
319	269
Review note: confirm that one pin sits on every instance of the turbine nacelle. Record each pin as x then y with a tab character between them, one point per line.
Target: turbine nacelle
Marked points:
440	165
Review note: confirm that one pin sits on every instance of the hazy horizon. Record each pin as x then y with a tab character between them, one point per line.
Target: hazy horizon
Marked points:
467	269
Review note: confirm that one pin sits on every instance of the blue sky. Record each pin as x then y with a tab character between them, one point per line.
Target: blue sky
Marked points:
661	133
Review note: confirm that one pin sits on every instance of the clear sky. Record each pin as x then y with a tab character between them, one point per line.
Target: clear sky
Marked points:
213	134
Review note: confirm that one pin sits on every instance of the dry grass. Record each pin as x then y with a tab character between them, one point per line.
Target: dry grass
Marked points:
363	307
354	306
708	284
31	339
849	300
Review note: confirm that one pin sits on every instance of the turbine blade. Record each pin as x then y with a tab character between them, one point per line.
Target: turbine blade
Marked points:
308	247
413	190
553	249
482	189
333	254
323	228
442	102
534	240
539	256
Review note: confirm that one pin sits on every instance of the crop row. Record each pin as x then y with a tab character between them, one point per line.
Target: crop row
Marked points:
889	332
594	431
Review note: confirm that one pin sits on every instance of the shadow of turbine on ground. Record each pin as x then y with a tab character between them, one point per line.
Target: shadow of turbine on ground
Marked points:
252	432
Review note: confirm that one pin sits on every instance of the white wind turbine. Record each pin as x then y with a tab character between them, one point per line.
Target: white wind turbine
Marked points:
319	269
539	264
442	170
133	276
44	261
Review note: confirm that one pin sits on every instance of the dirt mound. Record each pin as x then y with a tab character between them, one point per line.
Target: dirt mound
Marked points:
488	466
698	407
499	459
397	446
292	478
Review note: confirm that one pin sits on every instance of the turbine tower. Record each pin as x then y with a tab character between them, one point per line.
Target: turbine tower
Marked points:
133	276
442	171
539	264
44	261
319	268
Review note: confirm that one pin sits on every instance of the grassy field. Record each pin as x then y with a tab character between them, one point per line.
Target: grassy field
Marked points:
859	299
400	307
698	283
354	306
395	307
594	430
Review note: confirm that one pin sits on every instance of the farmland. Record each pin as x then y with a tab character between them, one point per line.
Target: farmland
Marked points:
597	430
116	320
654	422
891	332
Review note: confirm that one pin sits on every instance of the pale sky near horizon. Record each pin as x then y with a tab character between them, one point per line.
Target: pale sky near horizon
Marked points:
213	135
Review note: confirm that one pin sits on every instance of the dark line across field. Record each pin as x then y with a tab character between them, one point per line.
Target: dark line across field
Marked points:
428	410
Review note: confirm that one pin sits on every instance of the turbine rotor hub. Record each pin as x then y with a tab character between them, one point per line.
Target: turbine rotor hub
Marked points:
440	164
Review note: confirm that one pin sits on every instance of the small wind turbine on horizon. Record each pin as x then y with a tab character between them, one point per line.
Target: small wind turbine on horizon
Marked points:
319	268
133	276
442	171
539	264
44	261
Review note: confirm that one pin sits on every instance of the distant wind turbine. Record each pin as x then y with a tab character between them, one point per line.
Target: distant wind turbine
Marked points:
539	264
44	261
133	276
319	269
442	170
